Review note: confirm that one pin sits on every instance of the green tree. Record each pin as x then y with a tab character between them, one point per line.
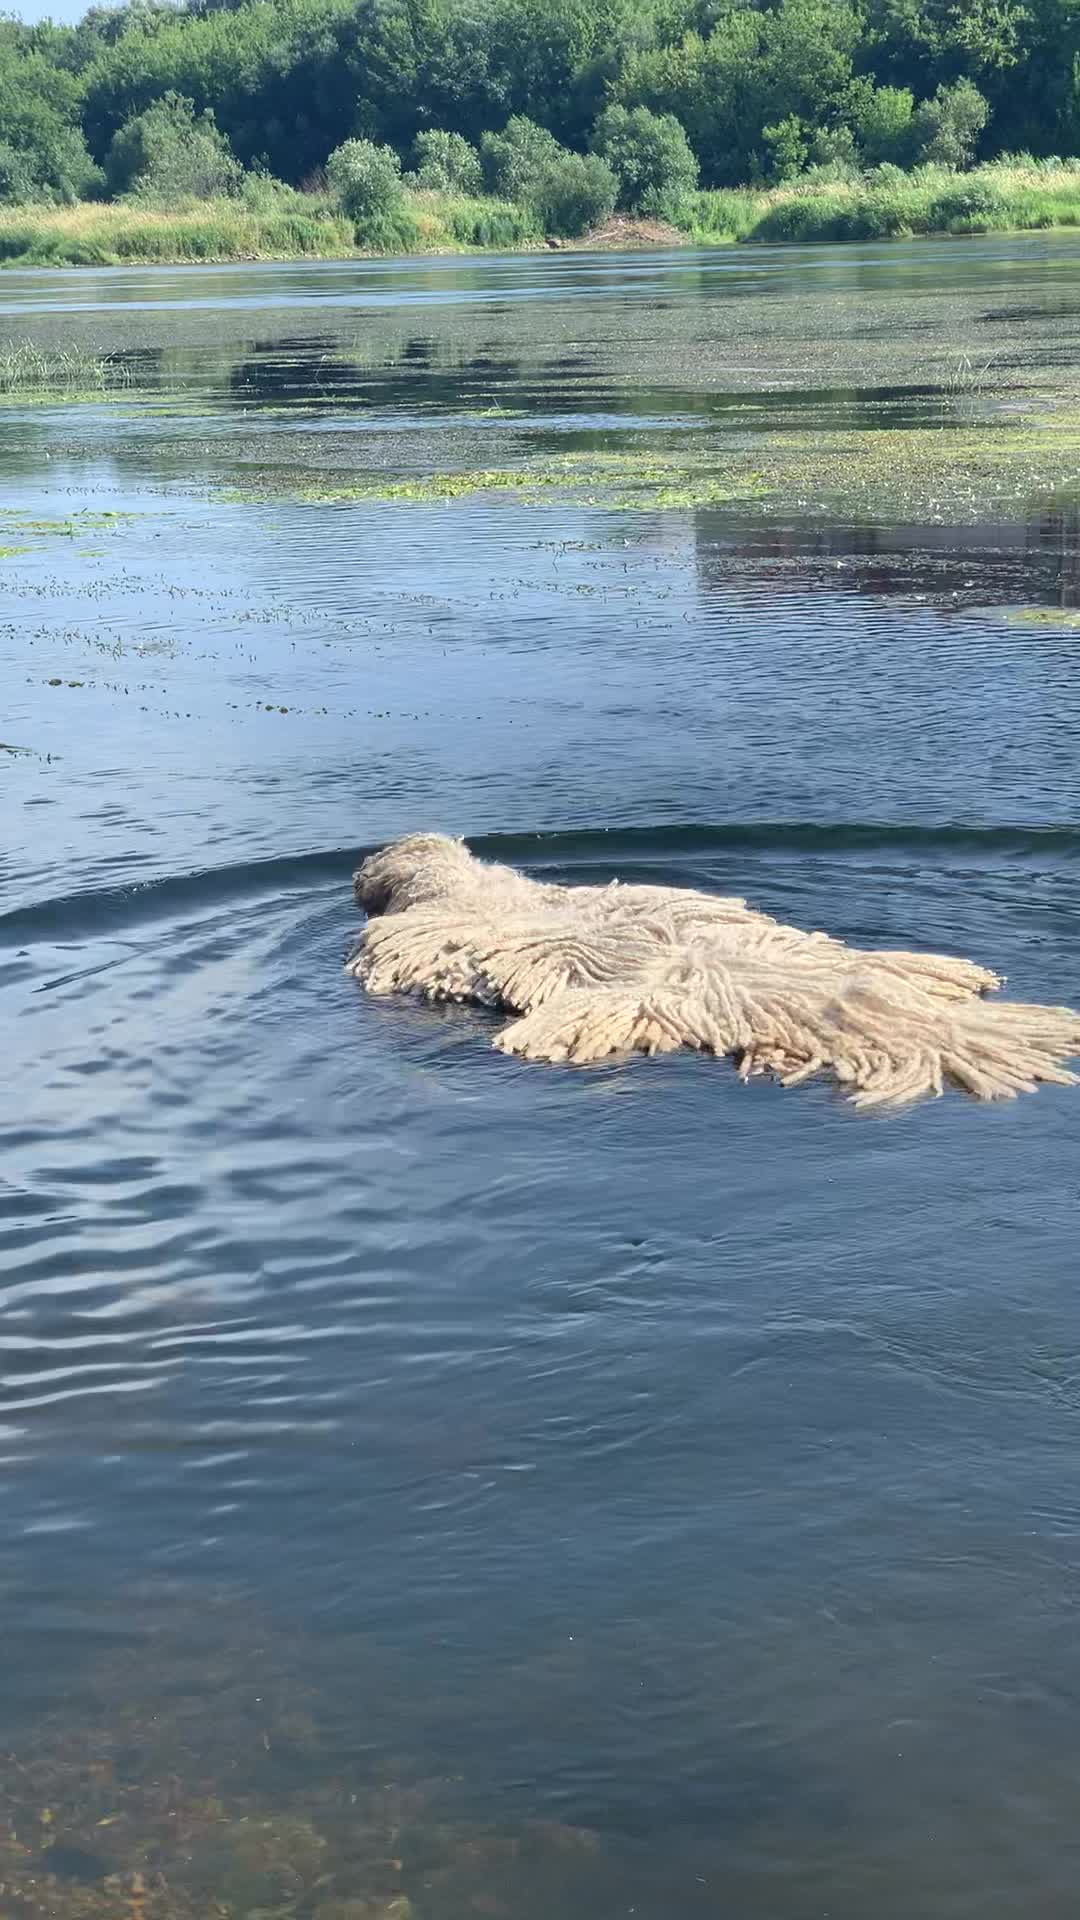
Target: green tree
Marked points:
833	149
17	183
171	153
807	58
290	81
946	128
47	158
705	84
568	191
366	180
574	192
547	59
447	162
280	77
651	158
881	118
1034	104
987	34
513	159
755	70
788	147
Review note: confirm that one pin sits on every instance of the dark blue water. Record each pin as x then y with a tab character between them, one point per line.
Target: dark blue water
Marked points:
433	1479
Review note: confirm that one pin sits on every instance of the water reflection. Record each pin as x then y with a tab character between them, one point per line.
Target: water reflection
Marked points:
1007	564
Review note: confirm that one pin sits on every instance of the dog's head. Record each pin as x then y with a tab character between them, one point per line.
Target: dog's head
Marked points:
420	867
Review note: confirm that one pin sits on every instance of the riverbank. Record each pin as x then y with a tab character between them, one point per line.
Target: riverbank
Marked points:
886	204
294	226
890	204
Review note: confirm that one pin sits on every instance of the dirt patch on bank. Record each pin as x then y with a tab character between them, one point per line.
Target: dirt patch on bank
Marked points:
622	231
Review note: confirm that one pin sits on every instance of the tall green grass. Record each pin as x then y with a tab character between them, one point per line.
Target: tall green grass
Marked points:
272	224
98	235
432	222
26	367
885	204
488	223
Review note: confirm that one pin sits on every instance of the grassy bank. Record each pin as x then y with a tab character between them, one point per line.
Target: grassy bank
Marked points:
106	234
888	203
95	234
884	204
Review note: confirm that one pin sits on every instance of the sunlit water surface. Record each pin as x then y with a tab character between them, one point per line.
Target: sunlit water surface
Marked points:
431	1479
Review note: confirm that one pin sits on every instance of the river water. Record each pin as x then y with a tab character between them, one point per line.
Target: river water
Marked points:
437	1484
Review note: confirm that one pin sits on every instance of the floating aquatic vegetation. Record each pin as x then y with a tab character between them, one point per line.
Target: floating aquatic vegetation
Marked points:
1066	617
594	971
963	474
642	479
84	520
960	473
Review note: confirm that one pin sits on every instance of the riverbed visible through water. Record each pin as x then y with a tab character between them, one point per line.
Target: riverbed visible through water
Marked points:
433	1485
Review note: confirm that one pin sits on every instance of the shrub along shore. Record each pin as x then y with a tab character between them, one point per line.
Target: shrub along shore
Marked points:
288	225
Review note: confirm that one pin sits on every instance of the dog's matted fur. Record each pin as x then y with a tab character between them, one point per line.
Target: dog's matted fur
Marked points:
594	971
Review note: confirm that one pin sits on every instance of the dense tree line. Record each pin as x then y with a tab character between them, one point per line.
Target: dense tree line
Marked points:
761	91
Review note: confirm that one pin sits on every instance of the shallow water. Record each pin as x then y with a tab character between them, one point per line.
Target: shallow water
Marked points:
512	1490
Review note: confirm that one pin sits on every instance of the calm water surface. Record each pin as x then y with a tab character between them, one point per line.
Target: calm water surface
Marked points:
516	1491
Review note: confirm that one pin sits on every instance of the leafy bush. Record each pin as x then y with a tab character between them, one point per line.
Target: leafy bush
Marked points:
832	173
514	159
651	158
832	154
873	216
446	162
261	193
17	183
366	181
568	192
886	174
802	219
946	128
970	205
881	118
788	147
170	153
573	192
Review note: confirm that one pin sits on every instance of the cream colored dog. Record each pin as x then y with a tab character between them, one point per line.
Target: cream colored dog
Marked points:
594	971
